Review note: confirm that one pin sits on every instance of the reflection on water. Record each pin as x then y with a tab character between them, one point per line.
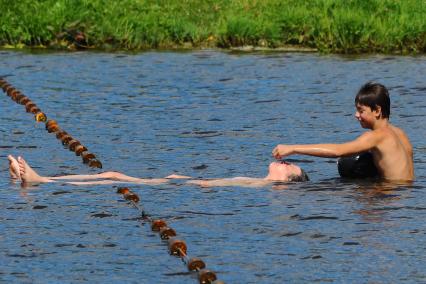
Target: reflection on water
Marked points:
207	114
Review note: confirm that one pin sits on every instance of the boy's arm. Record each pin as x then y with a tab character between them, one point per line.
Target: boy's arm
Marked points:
239	181
363	143
174	176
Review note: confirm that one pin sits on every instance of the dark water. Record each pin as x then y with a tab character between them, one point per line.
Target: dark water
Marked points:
207	114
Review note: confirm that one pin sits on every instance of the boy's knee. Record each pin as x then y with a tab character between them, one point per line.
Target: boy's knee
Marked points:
111	174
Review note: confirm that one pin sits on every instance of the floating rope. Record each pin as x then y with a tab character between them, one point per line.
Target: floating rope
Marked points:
51	125
176	246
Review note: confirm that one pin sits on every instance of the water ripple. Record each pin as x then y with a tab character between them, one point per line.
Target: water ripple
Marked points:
207	114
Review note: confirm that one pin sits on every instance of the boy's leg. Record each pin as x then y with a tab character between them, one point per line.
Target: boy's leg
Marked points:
95	182
115	176
174	176
28	175
19	169
105	175
15	167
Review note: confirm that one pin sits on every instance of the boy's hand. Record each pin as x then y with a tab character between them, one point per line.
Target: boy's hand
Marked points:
281	151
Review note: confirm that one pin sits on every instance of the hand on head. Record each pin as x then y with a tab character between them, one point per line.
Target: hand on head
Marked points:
281	151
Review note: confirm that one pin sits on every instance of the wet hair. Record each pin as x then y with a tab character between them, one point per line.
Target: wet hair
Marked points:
299	178
373	95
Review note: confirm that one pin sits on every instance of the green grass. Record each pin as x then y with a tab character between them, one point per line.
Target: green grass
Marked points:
349	26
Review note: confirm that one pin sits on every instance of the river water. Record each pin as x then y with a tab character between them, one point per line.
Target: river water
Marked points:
207	114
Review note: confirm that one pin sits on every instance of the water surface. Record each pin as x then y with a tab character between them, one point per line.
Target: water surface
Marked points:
207	114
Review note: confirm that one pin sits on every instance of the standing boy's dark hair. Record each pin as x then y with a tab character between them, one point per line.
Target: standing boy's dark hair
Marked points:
373	95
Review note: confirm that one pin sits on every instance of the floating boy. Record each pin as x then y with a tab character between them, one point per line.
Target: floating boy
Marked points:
278	172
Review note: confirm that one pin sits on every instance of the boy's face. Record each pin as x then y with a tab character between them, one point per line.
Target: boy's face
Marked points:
366	116
281	171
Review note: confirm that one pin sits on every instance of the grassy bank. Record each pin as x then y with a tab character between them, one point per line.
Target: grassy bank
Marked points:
350	26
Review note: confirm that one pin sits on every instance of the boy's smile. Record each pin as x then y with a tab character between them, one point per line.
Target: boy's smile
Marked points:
365	116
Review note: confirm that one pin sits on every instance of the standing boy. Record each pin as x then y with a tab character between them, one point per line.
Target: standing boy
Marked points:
391	149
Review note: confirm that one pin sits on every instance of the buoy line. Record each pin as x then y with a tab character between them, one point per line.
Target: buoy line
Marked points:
51	125
177	247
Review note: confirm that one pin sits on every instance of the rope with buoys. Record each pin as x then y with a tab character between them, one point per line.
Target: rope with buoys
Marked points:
51	125
177	247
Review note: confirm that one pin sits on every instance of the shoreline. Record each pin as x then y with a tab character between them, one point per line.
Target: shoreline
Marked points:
325	26
246	49
183	47
73	46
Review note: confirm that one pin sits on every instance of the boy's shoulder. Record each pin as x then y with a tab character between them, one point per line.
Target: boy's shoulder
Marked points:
390	129
399	132
404	138
393	133
390	132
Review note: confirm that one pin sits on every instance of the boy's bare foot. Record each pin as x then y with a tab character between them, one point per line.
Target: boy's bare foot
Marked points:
28	175
13	168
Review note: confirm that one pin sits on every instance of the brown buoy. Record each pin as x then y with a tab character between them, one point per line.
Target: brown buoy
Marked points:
5	86
40	117
60	134
10	90
79	149
177	247
156	225
29	105
95	163
123	190
65	139
34	110
50	122
196	264
54	128
18	97
206	276
87	156
166	233
131	197
15	94
72	144
21	99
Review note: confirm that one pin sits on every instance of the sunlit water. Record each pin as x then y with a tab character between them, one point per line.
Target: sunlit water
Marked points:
207	114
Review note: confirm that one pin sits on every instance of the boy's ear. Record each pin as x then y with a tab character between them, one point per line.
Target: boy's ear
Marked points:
378	111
